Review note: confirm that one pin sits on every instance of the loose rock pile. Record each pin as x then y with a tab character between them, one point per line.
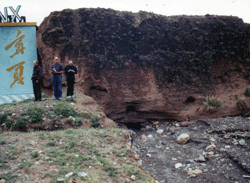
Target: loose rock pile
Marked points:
214	150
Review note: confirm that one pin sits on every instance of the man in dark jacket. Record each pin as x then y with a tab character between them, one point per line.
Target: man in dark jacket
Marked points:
37	80
57	70
70	71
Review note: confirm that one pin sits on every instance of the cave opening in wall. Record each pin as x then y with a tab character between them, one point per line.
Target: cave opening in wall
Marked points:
190	99
130	108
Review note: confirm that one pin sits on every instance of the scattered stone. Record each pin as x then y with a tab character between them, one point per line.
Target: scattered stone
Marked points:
143	137
167	148
156	123
133	177
32	142
150	136
60	180
149	155
200	159
140	162
242	142
72	103
37	163
174	159
227	147
159	131
13	114
2	181
82	174
69	174
185	124
210	154
210	147
194	173
72	118
183	138
212	139
178	165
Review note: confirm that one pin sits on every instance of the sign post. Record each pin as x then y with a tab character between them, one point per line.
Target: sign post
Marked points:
17	53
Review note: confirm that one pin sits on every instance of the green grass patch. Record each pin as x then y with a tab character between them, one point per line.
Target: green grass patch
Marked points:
78	122
95	121
212	102
34	154
64	109
9	177
36	114
111	171
21	122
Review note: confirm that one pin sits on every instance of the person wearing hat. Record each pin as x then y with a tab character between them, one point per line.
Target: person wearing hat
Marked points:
57	70
70	71
37	80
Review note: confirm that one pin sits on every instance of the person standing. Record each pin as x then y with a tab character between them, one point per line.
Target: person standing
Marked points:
70	71
37	80
57	70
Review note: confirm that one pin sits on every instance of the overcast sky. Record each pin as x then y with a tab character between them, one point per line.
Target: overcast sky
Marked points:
37	10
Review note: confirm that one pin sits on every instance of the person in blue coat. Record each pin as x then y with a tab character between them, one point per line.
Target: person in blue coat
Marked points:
70	71
57	70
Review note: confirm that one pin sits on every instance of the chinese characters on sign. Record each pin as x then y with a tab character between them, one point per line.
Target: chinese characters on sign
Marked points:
18	74
18	45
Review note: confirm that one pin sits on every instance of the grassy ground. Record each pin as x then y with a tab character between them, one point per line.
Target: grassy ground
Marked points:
45	156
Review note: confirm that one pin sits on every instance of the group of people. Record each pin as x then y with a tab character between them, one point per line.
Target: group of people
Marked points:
57	70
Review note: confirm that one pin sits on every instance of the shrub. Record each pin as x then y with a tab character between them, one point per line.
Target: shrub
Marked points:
111	171
70	100
50	143
78	122
212	101
3	117
21	122
34	154
9	123
247	92
8	176
64	109
88	116
36	114
95	121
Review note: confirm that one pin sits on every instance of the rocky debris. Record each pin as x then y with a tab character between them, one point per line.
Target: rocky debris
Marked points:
150	136
194	173
200	159
178	165
242	142
159	131
207	157
210	147
143	137
60	180
72	118
82	174
69	174
183	138
142	66
133	177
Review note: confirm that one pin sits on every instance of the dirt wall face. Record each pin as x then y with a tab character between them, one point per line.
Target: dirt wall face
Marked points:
141	66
